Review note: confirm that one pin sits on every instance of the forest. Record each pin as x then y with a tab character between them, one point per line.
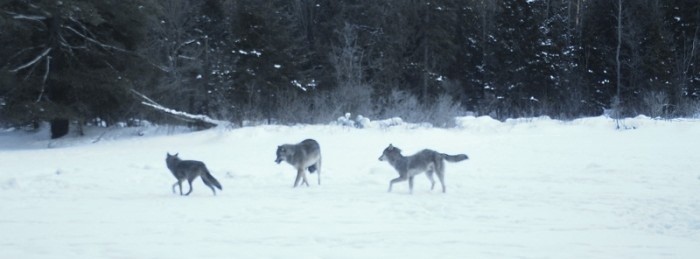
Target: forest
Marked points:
109	62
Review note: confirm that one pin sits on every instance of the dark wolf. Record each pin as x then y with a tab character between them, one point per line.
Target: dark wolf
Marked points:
428	161
189	170
302	156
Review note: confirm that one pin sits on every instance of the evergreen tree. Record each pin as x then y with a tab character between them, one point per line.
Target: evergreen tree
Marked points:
683	27
521	74
597	56
314	60
70	60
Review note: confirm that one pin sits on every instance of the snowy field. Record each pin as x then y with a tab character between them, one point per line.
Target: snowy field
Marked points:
535	188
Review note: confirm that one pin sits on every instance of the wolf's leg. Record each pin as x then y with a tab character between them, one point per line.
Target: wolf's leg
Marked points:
441	177
296	181
396	180
430	177
189	181
179	183
175	184
410	184
303	176
318	168
319	177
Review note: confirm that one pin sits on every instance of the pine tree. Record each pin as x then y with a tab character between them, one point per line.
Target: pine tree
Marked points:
71	59
521	73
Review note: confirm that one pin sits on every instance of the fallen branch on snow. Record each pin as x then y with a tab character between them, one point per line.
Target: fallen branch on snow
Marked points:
179	114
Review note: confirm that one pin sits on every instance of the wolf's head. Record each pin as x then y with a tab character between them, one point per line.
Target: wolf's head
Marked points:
283	152
390	152
170	160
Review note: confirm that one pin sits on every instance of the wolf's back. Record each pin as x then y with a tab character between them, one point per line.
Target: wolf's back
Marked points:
191	167
310	146
311	150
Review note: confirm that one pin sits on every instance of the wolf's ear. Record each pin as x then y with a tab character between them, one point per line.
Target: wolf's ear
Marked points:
391	146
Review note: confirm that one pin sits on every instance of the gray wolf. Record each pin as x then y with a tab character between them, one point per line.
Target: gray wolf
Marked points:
428	161
190	169
302	156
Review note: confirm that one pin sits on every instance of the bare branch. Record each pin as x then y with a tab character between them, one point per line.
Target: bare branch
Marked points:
82	26
21	52
65	43
94	40
36	59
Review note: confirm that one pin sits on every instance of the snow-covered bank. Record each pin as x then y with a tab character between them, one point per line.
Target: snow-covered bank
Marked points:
535	188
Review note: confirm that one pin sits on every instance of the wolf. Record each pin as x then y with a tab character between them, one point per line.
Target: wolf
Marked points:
190	169
428	161
302	156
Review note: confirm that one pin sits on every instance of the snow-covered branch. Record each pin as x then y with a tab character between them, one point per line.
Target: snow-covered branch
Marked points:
186	57
29	17
187	42
188	116
64	43
179	114
46	77
30	63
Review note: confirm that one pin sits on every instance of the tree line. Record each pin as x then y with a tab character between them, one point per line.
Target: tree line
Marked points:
311	61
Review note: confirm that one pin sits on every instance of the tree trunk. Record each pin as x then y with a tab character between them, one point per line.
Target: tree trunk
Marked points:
617	51
426	72
59	128
617	101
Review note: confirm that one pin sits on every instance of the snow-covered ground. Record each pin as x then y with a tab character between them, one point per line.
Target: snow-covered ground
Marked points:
534	188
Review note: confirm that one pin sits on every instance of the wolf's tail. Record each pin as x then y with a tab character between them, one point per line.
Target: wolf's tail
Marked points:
455	158
207	177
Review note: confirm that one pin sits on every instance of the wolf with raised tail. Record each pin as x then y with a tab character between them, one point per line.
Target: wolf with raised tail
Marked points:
303	156
189	170
428	161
